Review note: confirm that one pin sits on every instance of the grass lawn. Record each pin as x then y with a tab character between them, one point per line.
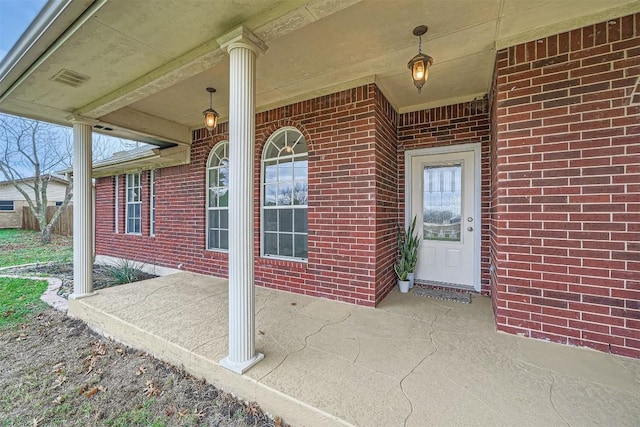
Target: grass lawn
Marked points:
19	299
24	247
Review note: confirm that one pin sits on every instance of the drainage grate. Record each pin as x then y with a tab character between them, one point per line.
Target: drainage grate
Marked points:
70	78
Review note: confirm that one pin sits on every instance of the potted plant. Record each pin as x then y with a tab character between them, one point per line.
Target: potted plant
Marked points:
402	270
411	244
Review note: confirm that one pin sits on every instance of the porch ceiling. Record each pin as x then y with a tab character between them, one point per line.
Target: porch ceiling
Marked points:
149	63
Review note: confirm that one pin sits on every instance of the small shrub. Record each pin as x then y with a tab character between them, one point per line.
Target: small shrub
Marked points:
125	271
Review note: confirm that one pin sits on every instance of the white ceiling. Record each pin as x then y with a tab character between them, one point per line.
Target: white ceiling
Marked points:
149	63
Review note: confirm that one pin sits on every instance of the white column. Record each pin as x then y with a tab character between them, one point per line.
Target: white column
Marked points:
82	211
243	48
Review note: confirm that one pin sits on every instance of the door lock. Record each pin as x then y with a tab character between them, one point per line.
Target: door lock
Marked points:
469	219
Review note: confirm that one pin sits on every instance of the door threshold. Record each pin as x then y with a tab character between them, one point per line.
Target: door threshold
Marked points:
445	285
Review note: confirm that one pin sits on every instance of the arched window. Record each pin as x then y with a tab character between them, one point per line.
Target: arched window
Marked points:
218	197
284	195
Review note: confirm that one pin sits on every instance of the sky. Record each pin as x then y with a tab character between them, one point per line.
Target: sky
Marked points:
15	17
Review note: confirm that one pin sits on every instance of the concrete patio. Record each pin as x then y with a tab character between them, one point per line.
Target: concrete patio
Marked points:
412	361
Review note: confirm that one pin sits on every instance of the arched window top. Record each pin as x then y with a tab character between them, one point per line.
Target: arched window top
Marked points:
285	142
219	155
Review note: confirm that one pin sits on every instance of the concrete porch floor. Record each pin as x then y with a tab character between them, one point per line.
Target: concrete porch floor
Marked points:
412	361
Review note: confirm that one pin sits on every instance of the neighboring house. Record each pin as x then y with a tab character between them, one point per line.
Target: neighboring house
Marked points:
521	155
12	201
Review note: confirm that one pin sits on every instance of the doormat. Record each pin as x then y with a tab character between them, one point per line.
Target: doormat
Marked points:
464	297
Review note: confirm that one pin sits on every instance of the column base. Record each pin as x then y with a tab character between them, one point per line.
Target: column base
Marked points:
80	296
242	367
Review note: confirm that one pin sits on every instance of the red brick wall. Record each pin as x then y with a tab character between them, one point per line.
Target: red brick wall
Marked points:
567	198
351	202
451	125
386	196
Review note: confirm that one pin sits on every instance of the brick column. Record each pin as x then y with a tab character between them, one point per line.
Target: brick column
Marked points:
243	48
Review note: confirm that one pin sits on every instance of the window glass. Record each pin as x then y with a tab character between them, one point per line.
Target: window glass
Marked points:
218	197
134	204
285	192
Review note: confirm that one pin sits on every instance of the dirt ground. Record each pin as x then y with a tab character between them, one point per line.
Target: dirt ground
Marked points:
55	371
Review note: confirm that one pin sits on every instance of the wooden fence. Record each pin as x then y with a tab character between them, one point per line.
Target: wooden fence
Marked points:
64	226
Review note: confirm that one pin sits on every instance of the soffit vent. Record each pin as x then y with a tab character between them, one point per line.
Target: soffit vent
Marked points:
70	78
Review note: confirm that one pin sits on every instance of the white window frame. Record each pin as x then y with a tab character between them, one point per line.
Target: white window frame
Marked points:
220	146
152	203
137	185
263	160
116	206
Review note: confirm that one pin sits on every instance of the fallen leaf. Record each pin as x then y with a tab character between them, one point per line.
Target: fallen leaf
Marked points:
141	370
92	392
58	400
278	422
58	367
253	408
260	333
59	381
151	389
294	303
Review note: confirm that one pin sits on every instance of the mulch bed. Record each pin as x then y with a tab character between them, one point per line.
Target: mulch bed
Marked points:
101	278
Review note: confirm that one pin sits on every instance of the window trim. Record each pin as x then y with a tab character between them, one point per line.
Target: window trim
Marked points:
116	204
262	195
133	203
152	203
206	207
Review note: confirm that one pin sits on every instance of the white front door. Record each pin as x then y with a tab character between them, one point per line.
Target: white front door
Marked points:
443	197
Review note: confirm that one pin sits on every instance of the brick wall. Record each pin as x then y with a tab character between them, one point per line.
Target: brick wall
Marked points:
450	125
386	196
566	197
351	202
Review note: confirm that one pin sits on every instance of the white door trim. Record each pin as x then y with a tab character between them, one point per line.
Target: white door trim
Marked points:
477	179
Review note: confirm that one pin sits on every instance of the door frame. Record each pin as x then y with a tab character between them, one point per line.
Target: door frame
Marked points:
476	147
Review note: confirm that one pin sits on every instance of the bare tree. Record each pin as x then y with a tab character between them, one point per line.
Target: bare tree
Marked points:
30	154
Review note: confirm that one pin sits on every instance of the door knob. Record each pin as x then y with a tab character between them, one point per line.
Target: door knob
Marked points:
469	228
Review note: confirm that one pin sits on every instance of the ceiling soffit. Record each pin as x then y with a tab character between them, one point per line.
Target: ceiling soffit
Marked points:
148	67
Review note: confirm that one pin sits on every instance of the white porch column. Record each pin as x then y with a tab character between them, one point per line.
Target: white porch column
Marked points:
82	211
243	48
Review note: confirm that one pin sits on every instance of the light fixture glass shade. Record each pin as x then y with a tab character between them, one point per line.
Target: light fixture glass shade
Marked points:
210	119
419	66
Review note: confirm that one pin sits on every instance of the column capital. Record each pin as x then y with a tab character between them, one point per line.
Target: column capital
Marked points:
74	118
242	37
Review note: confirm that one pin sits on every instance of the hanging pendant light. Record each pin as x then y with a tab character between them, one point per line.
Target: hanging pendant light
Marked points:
419	64
210	115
